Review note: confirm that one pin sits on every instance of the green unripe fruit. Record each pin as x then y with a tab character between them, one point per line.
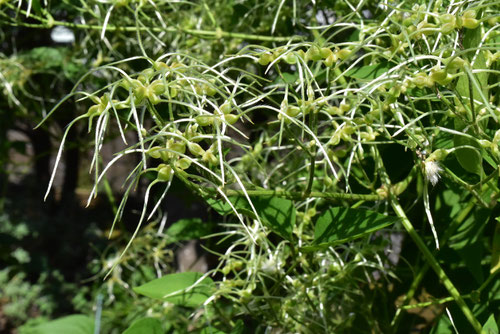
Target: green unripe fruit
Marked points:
292	111
159	65
231	119
179	147
164	173
313	53
343	54
155	152
154	99
196	149
438	74
158	87
139	93
225	108
209	90
183	163
290	58
456	63
265	59
173	91
448	28
330	60
204	120
470	23
447	18
325	52
469	14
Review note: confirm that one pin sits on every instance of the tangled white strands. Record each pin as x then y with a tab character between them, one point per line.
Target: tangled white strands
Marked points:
432	170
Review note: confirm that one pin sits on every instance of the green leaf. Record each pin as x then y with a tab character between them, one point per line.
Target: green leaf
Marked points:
74	324
368	72
277	213
145	326
188	229
490	326
178	289
339	225
469	158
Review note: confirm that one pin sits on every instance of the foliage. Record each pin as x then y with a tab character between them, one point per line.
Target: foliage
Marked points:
344	148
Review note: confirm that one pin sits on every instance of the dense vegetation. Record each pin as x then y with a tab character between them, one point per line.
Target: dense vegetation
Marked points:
337	163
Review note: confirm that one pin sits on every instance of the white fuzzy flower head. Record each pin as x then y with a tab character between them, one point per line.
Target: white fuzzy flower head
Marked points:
432	170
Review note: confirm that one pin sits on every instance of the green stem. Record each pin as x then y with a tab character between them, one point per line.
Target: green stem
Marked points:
207	34
300	195
425	304
434	264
